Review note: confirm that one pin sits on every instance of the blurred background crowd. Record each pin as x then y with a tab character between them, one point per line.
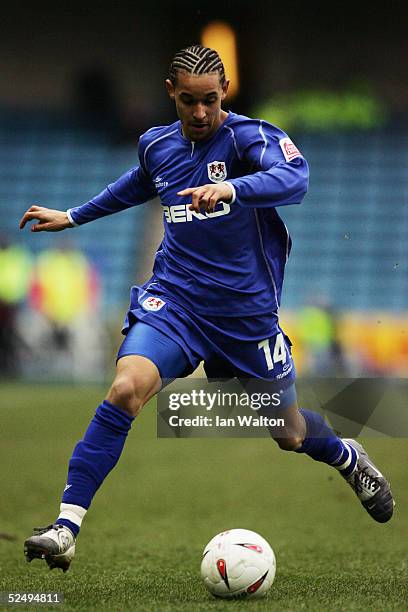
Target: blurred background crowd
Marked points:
79	83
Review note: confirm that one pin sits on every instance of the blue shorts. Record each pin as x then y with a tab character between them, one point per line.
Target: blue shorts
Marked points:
177	341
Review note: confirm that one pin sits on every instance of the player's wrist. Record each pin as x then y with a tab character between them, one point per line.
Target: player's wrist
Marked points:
233	195
70	219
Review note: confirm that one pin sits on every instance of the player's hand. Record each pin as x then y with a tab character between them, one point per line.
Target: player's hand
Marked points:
48	220
207	196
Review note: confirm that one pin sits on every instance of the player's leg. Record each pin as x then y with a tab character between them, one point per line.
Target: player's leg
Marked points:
145	358
137	379
307	432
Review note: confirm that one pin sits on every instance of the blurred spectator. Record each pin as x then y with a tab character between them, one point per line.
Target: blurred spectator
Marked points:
15	271
318	331
96	99
64	324
64	286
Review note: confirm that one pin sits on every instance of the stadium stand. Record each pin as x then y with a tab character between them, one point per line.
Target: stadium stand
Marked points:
350	234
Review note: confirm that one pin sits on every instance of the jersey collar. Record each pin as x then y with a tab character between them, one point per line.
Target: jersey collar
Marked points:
198	143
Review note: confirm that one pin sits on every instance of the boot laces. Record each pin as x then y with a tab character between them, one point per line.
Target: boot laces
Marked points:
41	530
366	481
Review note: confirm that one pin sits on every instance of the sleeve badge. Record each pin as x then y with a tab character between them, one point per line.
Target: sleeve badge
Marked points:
289	149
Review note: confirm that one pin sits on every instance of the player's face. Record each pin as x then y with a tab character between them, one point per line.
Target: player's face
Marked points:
198	102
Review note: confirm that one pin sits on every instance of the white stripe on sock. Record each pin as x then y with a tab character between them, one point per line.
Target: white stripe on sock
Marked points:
72	513
346	464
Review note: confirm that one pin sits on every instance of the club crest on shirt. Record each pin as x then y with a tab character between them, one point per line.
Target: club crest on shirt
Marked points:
217	171
153	303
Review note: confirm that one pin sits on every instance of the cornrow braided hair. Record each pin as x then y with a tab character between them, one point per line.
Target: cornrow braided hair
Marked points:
196	60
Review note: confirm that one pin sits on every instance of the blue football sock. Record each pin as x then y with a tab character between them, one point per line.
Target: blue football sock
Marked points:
96	455
322	444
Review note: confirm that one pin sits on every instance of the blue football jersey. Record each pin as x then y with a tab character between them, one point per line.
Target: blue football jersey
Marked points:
229	262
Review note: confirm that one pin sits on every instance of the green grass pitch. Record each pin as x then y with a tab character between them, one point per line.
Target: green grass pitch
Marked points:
141	542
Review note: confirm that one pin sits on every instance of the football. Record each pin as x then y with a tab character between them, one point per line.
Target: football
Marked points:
238	563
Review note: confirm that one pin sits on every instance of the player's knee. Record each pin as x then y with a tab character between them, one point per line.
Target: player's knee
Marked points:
291	443
126	394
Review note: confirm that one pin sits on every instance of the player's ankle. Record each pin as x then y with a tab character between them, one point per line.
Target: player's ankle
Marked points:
71	516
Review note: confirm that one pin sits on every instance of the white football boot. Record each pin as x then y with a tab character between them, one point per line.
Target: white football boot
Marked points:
55	544
370	486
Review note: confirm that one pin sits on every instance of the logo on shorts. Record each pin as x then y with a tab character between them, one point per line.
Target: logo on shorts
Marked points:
153	303
217	171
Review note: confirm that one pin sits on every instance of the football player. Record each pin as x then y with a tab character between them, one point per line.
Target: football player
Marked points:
215	292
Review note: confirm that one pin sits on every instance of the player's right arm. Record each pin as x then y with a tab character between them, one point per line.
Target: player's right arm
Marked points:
131	189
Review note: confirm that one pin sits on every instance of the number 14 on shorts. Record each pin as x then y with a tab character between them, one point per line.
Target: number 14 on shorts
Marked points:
279	350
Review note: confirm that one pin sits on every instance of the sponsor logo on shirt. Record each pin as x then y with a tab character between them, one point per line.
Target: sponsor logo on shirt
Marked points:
217	171
153	303
182	213
289	149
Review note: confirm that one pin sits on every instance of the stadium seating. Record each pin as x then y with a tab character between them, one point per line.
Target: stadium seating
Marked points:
350	234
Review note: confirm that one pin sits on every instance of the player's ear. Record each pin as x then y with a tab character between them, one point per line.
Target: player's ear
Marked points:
170	89
225	89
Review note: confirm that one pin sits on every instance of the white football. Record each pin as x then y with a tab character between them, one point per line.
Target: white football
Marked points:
238	563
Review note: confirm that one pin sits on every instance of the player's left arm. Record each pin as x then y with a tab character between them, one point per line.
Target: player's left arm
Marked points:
280	173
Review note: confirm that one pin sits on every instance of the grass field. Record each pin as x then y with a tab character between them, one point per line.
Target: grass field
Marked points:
141	542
